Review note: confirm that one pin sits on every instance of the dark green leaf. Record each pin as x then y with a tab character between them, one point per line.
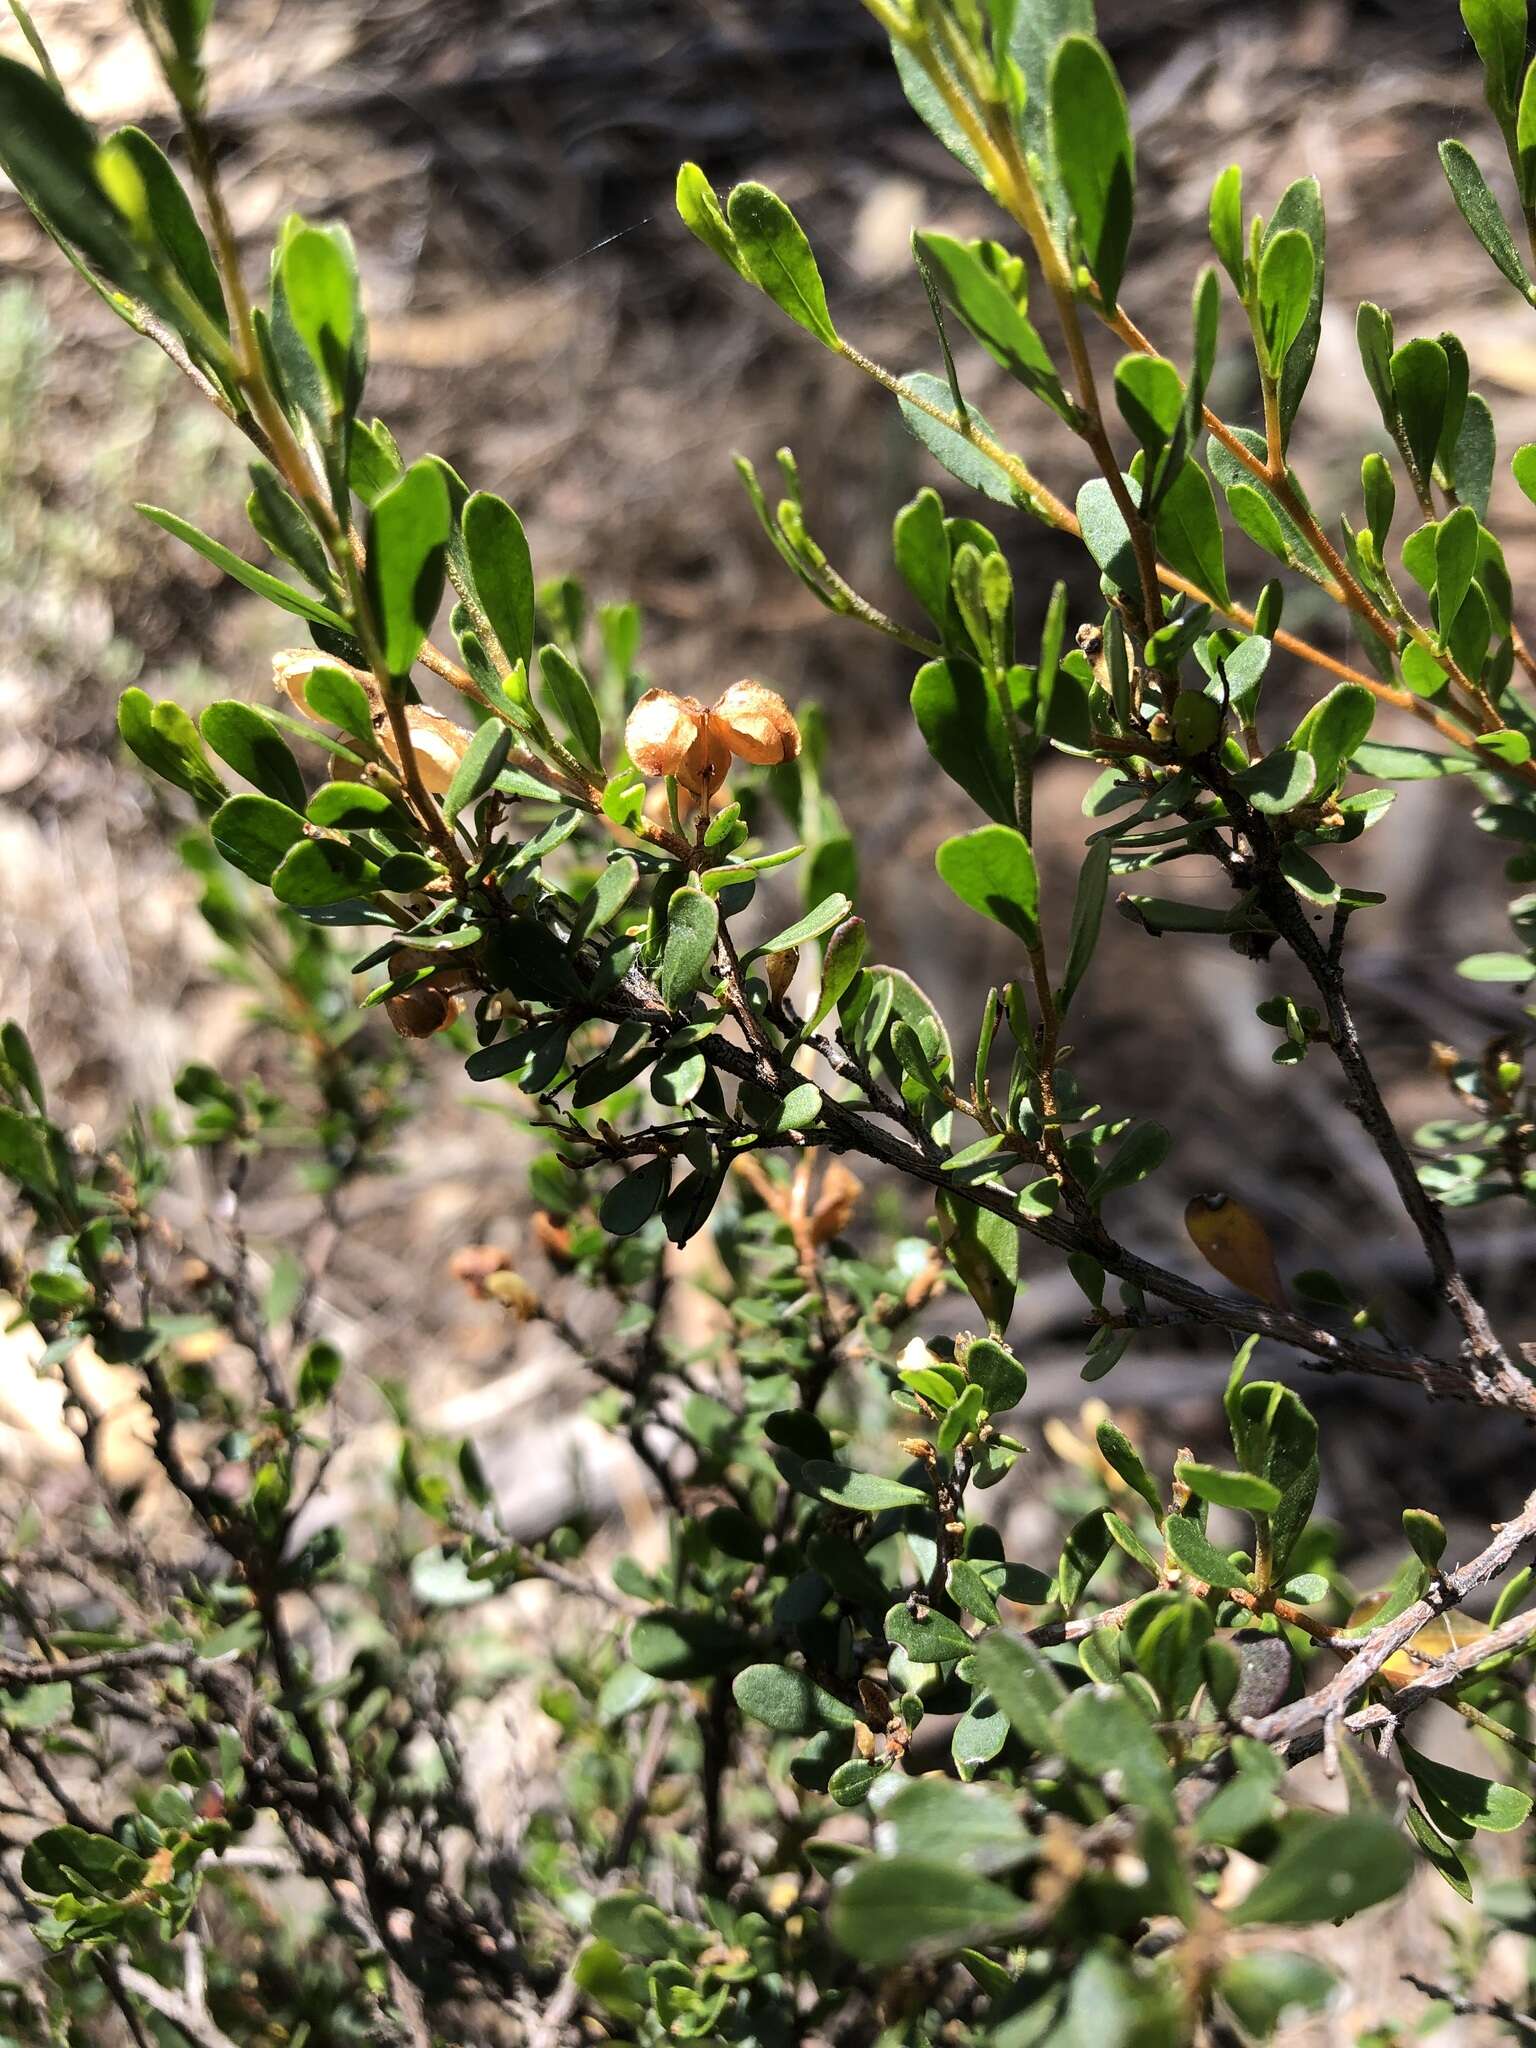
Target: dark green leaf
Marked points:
1198	1554
906	1909
283	595
693	925
993	871
502	569
1022	1684
251	744
408	532
1091	140
1481	212
1327	1868
254	834
954	448
483	760
316	872
788	1701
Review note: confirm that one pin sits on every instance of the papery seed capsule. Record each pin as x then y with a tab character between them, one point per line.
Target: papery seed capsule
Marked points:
437	743
756	724
660	730
840	1191
421	1012
781	972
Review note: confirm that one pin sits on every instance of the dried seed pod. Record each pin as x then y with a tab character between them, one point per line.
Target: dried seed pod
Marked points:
660	731
835	1204
437	743
781	972
421	1012
756	724
475	1263
292	668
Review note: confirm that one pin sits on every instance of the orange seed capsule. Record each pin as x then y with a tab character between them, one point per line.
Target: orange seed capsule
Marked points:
757	724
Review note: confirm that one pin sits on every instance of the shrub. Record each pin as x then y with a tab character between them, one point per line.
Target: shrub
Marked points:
836	1766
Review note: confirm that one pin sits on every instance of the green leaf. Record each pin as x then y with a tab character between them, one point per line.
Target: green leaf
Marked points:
1333	730
1472	459
1262	1989
778	258
1421	378
37	1708
841	961
24	1152
254	834
631	1202
1326	1868
975	1829
16	1053
283	595
920	542
1497	29
248	741
1022	1684
174	225
993	1369
962	724
1228	1489
788	1701
336	695
1086	1546
571	695
1199	1556
167	742
992	871
1471	1801
1256	510
1090	134
863	1493
1516	968
988	289
319	281
1150	394
408	533
908	1909
699	211
1482	214
1106	535
483	760
927	1638
830	911
1165	1635
1189	533
1457	540
1286	270
1101	1730
1279	782
1226	224
1140	1152
670	1644
953	448
315	872
1300	208
1087	916
1121	1455
502	569
983	1248
693	925
49	154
